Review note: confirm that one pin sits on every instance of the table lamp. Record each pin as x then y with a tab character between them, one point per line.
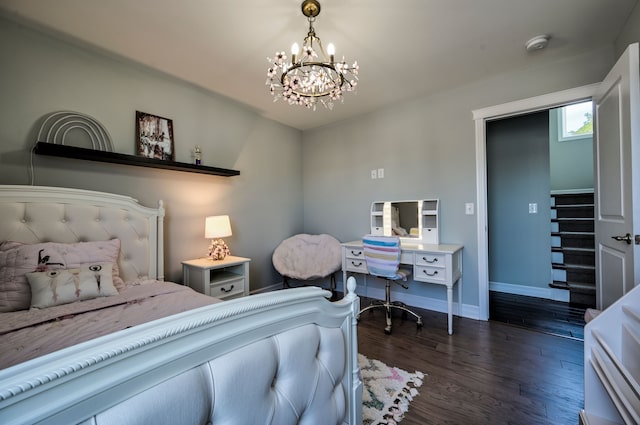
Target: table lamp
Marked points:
215	228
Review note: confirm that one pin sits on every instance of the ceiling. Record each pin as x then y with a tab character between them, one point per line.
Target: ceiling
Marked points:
405	48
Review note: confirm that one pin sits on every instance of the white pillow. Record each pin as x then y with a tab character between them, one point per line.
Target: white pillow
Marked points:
16	259
63	286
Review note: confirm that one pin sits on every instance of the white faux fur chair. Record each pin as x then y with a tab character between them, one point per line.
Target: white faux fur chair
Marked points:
308	257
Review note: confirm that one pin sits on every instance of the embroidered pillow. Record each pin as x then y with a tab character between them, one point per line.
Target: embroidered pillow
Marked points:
16	259
63	286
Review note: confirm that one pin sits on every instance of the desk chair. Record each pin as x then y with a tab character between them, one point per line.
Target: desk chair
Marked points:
382	255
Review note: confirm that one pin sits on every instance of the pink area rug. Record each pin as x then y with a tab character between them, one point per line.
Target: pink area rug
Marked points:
388	391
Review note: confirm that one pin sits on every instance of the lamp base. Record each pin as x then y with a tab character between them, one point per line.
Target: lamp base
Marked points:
218	250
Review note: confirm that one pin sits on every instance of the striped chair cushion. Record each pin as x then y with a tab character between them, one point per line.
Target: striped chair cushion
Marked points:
382	254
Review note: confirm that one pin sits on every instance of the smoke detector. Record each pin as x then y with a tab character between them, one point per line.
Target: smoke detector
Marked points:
537	43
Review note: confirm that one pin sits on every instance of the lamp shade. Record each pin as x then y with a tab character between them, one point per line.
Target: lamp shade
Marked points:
217	226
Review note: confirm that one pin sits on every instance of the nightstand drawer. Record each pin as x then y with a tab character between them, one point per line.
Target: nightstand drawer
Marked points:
228	288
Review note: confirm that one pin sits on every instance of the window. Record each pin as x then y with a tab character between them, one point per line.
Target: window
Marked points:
575	121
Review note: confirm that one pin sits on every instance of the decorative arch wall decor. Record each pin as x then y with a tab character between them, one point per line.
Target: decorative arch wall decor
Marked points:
58	124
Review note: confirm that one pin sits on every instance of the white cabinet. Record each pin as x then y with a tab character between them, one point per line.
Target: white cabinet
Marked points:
429	212
224	279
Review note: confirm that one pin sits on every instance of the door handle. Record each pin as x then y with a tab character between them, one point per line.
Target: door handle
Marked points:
626	238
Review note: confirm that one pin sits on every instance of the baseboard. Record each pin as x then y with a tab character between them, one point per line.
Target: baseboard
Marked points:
270	288
554	294
426	303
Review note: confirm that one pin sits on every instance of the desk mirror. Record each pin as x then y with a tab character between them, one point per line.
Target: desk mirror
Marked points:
413	221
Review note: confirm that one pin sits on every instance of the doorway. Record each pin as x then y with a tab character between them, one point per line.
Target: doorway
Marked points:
540	219
481	117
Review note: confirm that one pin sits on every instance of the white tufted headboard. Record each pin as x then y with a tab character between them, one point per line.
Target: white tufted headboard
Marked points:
33	214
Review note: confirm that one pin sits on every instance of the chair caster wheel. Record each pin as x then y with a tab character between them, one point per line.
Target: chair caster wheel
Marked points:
419	323
387	331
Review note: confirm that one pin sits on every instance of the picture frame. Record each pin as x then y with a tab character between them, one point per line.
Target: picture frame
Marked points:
154	137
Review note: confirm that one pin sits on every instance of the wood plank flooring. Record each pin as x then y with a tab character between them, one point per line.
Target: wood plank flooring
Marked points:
548	316
485	373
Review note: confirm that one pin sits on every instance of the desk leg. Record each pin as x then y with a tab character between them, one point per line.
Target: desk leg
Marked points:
450	308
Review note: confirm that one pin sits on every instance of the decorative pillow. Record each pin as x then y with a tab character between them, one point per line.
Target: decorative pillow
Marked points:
63	286
18	259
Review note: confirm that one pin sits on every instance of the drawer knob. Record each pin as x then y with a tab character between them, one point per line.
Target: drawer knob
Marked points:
430	274
223	289
435	260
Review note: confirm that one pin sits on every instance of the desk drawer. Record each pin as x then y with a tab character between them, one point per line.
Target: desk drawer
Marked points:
430	260
358	265
354	253
430	274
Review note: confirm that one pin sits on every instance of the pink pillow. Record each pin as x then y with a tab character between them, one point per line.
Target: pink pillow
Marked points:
18	259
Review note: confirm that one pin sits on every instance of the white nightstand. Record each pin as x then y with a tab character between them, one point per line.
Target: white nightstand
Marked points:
224	279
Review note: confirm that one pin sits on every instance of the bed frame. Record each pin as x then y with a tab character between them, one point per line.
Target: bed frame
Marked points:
284	357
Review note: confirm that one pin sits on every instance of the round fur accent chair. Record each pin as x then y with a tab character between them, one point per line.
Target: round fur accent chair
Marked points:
308	257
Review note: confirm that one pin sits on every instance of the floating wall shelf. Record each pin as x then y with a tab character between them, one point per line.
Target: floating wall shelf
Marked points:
51	149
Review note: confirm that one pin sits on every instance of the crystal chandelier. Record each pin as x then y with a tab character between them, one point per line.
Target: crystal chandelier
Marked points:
312	75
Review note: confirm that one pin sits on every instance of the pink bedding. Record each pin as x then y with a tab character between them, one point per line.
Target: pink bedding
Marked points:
27	334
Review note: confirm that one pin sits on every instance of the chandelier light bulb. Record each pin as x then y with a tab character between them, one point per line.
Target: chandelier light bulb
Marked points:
331	51
312	75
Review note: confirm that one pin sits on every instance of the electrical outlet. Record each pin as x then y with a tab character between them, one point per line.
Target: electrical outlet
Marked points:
533	208
380	173
468	208
374	174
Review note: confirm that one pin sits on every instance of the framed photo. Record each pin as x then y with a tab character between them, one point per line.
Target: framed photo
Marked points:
154	136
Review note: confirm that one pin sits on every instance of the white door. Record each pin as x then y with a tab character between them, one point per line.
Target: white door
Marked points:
617	179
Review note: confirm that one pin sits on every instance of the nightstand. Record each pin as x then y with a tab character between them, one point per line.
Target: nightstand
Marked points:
224	279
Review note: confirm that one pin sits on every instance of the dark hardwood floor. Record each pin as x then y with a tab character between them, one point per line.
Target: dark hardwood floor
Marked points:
485	373
548	316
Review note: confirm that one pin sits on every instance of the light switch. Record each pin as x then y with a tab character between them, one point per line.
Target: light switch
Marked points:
380	173
374	174
468	208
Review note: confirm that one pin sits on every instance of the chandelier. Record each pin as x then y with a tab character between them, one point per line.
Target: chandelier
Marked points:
312	75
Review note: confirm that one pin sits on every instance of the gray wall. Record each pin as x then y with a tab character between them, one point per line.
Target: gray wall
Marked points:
571	161
517	175
630	32
40	74
427	148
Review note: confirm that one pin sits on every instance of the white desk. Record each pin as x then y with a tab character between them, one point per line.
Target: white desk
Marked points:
439	264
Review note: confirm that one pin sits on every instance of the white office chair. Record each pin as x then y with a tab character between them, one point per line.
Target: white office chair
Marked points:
382	255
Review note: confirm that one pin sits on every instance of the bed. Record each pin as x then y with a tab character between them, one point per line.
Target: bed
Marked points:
286	357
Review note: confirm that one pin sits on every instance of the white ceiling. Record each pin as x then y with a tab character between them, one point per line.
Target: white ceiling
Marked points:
405	48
